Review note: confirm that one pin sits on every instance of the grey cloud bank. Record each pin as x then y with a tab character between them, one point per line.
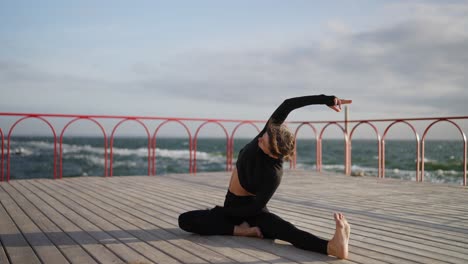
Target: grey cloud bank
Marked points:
413	66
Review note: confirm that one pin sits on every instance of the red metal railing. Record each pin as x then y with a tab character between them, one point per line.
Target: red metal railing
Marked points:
105	141
420	151
152	140
154	143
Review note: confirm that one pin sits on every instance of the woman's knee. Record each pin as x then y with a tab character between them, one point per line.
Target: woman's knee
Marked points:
205	222
186	221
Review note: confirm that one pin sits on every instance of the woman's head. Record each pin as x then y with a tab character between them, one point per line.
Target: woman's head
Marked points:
278	141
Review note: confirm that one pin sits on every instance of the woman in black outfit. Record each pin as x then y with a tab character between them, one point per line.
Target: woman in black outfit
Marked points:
253	182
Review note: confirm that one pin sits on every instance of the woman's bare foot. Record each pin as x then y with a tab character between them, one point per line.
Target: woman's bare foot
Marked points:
338	245
246	230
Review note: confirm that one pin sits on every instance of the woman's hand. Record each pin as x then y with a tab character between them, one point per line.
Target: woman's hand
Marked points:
338	103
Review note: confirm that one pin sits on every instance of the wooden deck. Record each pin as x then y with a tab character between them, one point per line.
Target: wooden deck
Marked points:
134	220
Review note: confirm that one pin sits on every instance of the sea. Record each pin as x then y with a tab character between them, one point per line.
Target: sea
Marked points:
32	157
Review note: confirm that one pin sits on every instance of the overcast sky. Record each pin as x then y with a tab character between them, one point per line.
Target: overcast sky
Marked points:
233	59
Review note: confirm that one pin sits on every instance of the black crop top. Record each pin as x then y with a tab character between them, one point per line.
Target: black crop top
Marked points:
259	173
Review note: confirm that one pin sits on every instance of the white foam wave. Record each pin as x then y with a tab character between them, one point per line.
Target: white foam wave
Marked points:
97	160
437	176
333	166
39	144
427	160
168	153
28	144
126	164
140	152
361	170
70	149
21	151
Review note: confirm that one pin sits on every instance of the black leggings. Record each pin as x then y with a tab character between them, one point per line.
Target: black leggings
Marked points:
214	222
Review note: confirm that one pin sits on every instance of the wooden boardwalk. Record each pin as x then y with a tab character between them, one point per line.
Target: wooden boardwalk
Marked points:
134	220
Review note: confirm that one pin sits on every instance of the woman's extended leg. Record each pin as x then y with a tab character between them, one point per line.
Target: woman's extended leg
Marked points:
274	227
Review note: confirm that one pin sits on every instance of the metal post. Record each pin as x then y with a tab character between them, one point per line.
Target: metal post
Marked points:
348	145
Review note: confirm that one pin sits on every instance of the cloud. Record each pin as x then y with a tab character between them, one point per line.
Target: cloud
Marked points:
419	59
28	88
413	63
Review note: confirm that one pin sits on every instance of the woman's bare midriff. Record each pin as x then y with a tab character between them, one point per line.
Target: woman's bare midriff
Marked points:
235	186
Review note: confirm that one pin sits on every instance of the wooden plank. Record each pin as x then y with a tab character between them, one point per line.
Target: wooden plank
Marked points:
346	207
14	243
169	215
265	257
288	205
40	243
386	236
395	229
193	206
92	247
374	188
173	230
68	247
177	202
154	233
128	233
198	244
436	217
402	244
103	236
3	255
460	255
392	221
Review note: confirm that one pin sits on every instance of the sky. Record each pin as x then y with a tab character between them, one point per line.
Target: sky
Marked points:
233	59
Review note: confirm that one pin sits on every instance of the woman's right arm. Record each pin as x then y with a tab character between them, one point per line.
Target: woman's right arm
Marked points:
288	105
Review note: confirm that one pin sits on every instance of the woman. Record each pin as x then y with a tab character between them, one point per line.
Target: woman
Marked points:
257	175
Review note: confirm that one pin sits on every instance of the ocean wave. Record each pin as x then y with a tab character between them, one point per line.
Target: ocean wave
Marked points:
435	176
450	165
96	160
21	152
169	153
32	147
126	164
86	155
38	144
427	160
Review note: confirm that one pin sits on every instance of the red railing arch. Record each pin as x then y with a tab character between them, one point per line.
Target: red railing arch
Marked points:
350	148
417	147
346	144
5	173
112	143
154	143
9	140
195	144
231	140
464	146
317	154
61	142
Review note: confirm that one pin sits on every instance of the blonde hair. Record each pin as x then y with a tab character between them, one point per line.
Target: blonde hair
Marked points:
282	141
